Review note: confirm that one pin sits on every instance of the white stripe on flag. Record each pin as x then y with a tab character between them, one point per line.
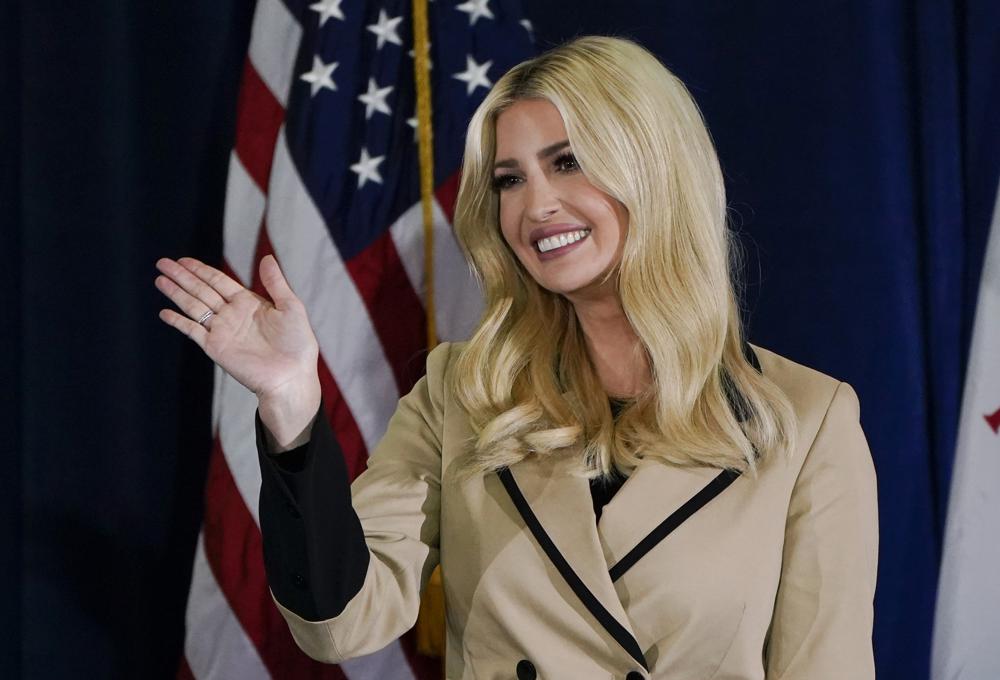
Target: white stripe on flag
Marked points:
274	42
237	437
457	300
967	620
215	645
312	265
241	220
388	663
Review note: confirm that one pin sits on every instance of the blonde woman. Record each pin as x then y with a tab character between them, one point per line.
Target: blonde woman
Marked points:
614	483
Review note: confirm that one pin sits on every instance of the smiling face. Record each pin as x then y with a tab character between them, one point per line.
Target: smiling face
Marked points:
567	233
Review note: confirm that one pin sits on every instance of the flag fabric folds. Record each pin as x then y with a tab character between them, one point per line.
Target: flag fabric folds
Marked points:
967	619
324	174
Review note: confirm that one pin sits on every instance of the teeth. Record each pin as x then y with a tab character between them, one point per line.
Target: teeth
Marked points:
560	240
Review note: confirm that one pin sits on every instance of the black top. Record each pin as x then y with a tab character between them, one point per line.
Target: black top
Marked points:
603	489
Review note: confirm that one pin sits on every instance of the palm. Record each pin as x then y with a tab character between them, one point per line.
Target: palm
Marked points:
257	344
264	346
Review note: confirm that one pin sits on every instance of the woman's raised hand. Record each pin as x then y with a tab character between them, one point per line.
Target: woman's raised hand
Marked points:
269	348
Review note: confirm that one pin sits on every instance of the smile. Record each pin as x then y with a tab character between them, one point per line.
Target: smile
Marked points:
560	241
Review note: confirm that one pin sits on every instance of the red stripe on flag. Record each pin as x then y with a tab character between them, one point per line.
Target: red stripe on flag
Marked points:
397	313
258	119
184	670
234	552
447	194
343	424
423	667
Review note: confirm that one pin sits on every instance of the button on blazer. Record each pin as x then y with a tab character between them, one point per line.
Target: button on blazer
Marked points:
690	574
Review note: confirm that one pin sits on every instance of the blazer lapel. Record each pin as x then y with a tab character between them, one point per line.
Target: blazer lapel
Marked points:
556	508
655	500
658	498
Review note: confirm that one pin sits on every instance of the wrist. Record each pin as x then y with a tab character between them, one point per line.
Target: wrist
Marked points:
288	413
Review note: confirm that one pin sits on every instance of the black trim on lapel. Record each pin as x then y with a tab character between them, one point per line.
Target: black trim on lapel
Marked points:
622	636
676	518
740	408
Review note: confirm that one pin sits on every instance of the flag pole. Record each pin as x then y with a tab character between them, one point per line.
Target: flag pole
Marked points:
425	145
430	626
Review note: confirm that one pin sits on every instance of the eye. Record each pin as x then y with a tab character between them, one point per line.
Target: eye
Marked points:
501	182
566	163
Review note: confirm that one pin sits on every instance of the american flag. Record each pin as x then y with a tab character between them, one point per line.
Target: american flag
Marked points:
325	174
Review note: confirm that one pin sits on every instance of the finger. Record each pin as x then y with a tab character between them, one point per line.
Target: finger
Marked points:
188	304
185	325
276	284
221	282
195	287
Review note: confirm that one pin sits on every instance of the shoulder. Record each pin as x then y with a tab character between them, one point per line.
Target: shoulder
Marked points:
799	382
803	386
816	398
444	353
440	366
441	359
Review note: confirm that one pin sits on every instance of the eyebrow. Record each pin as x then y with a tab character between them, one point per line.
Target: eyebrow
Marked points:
550	150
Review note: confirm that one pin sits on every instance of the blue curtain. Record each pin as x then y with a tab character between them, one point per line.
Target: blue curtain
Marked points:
859	141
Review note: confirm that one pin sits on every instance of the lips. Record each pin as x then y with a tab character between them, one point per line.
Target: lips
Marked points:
560	250
561	241
537	235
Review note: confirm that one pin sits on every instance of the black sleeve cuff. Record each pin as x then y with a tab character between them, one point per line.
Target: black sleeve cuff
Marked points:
315	553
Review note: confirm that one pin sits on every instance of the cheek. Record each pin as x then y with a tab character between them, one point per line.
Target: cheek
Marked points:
613	217
509	224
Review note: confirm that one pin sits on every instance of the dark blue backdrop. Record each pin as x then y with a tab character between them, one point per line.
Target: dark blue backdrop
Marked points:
859	143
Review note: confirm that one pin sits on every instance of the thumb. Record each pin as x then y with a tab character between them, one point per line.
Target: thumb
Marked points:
275	283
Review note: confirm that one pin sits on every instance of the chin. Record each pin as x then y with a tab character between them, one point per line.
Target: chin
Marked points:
571	288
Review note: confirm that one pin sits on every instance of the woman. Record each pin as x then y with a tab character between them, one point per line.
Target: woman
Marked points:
614	483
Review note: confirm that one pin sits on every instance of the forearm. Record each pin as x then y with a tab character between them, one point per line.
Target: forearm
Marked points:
315	553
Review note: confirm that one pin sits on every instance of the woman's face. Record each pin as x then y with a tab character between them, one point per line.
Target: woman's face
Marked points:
566	232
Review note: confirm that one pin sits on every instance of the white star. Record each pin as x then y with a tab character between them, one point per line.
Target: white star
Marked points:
475	9
374	99
474	74
319	77
367	168
327	9
527	26
412	122
385	29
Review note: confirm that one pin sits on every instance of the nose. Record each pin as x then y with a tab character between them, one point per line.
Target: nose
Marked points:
542	199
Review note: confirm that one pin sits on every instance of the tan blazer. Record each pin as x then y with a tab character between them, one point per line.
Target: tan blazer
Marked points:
689	574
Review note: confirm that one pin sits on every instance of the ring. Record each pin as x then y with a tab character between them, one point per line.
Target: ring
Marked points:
205	317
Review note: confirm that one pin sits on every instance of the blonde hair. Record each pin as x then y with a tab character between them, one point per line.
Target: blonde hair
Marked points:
525	377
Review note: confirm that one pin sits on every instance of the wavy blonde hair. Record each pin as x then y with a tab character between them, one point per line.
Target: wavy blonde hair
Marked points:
525	377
